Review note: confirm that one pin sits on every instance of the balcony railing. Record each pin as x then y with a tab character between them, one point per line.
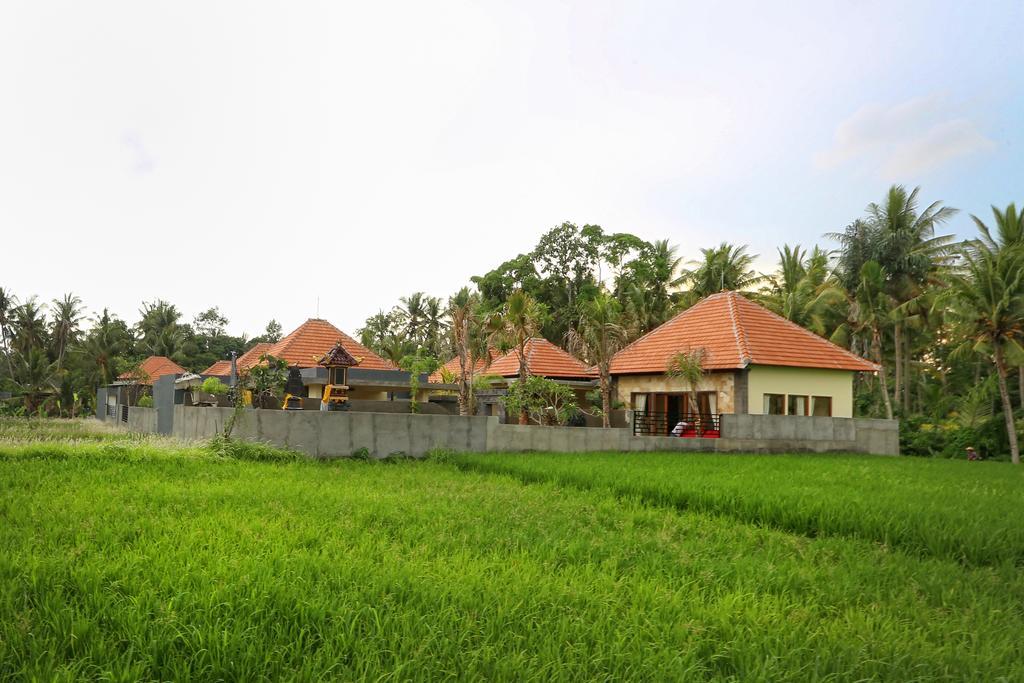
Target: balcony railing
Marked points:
687	425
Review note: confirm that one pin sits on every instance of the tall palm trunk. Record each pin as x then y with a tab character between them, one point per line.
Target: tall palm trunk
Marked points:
606	396
1004	394
876	343
524	417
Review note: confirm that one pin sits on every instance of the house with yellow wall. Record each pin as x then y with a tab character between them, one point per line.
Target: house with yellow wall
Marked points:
755	362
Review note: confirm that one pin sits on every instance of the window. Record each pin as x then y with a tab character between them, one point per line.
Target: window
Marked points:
797	405
822	406
639	401
774	404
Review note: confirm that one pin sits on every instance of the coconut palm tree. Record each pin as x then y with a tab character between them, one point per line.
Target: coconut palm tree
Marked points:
7	305
67	314
107	340
872	310
29	327
986	303
37	377
913	256
519	321
723	268
805	290
598	336
1009	233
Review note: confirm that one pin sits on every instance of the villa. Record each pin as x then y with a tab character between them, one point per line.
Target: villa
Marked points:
374	378
755	362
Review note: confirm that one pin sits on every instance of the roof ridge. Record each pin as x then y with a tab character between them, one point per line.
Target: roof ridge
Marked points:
805	331
738	332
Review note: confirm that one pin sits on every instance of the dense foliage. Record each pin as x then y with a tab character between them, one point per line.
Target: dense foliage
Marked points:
240	562
942	318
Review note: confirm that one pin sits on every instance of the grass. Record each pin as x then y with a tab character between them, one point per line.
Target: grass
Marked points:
967	511
157	561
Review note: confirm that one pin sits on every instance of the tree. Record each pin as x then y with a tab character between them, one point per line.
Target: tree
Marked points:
464	328
29	327
266	380
8	303
598	336
108	339
37	377
647	284
872	310
1009	229
210	323
67	315
514	326
723	268
417	364
688	366
160	329
273	332
543	399
905	245
804	290
986	301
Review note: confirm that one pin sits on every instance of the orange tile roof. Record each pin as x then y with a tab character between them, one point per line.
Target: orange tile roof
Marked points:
735	332
315	337
153	368
222	368
454	368
542	358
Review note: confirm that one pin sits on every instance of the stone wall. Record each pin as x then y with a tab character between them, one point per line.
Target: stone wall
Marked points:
322	434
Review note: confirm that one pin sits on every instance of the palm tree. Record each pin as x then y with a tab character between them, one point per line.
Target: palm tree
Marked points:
598	336
519	321
37	377
7	305
67	313
1009	228
462	321
162	334
906	246
688	366
413	313
872	309
106	340
986	301
805	290
723	268
29	327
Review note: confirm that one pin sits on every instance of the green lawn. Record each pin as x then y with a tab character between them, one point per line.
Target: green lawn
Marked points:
143	560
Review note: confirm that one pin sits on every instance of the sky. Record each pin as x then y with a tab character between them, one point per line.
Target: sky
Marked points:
280	160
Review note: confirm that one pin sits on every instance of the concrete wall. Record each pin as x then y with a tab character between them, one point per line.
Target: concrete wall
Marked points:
768	379
142	420
322	434
790	433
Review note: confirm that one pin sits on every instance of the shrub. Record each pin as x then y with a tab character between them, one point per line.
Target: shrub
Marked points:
146	402
212	385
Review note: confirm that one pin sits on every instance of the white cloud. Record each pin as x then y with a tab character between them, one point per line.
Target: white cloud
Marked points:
906	139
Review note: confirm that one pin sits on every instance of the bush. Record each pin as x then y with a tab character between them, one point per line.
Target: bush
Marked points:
146	402
212	385
245	450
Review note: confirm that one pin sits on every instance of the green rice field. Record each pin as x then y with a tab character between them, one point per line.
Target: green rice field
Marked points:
128	558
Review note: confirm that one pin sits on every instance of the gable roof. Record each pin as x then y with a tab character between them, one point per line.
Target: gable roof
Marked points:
308	343
153	368
735	332
542	358
221	368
